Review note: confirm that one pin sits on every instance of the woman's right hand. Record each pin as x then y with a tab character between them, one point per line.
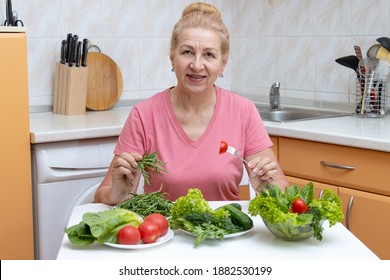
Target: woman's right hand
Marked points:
125	174
121	179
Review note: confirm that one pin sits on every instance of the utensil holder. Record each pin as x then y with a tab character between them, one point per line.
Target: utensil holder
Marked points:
70	90
371	98
371	90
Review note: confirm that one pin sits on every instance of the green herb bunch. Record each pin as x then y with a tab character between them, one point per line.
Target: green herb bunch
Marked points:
150	162
147	203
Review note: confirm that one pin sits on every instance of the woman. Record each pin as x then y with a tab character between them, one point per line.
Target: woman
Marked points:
185	124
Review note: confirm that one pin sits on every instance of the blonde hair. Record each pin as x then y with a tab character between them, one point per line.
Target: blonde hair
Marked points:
202	15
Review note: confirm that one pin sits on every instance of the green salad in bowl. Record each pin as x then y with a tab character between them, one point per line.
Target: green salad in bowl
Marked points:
294	214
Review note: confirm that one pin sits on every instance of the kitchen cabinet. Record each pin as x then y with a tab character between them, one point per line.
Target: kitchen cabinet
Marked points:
368	219
335	164
351	172
16	232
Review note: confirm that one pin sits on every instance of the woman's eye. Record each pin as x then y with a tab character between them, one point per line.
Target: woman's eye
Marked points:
210	54
186	52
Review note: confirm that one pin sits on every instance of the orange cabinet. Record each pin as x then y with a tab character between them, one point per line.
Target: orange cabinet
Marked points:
16	231
334	164
367	217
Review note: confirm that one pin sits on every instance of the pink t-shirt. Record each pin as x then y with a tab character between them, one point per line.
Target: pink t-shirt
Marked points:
153	127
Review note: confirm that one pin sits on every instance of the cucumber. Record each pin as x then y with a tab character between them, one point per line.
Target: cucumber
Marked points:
237	205
238	217
234	204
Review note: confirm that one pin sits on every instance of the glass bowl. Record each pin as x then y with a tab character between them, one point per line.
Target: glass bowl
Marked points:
288	231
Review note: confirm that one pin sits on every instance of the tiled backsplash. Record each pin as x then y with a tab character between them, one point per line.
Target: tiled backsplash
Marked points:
295	42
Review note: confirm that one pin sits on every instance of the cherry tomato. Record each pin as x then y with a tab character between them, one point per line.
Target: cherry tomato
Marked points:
129	235
160	220
299	206
223	147
149	232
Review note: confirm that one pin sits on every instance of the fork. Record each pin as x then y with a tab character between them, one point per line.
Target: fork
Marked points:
234	152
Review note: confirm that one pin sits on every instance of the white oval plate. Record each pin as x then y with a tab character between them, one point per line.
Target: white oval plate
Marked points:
168	236
231	235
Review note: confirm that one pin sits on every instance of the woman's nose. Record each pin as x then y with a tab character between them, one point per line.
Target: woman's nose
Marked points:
197	63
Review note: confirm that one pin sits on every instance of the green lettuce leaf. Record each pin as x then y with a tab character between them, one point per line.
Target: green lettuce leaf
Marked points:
102	226
104	222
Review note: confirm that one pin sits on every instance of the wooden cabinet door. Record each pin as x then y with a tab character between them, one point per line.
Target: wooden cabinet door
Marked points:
275	147
16	231
318	187
368	218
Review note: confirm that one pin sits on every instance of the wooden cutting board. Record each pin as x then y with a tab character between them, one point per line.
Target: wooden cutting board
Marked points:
105	82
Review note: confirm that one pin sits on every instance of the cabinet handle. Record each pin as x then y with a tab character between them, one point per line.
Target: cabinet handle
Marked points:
349	211
339	166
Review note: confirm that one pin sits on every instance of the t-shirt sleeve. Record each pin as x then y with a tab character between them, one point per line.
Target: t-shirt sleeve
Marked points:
132	136
257	138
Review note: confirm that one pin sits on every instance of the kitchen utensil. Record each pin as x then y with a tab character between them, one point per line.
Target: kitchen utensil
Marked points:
104	81
78	53
385	42
359	55
373	50
85	53
63	52
235	153
12	16
372	102
68	46
9	14
350	61
379	52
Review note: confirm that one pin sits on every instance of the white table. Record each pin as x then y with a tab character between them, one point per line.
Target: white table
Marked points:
258	244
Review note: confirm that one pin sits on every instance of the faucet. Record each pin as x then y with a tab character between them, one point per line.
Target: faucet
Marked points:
274	97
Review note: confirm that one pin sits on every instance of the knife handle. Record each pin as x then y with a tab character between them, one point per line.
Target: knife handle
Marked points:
69	46
72	51
78	53
63	51
85	53
74	42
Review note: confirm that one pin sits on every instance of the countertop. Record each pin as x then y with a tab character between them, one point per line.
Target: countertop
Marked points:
348	130
337	244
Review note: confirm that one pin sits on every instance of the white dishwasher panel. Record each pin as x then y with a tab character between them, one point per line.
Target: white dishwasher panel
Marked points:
64	174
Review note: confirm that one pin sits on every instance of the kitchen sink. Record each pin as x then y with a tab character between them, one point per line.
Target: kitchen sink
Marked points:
290	114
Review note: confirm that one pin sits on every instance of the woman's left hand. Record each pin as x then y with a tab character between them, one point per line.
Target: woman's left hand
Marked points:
263	168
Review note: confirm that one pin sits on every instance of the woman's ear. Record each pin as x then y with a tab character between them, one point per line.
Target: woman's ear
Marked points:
224	62
171	55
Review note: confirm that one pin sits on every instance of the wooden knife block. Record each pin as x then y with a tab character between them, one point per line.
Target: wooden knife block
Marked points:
70	90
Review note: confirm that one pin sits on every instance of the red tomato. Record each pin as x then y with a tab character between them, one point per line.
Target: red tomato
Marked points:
149	232
160	220
129	235
299	206
223	147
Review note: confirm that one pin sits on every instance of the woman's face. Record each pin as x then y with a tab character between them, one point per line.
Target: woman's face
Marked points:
197	60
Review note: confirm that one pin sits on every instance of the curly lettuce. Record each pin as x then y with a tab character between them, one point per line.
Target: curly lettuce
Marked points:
193	214
274	206
193	202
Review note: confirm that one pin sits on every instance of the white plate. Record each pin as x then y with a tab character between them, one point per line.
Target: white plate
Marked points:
231	235
168	236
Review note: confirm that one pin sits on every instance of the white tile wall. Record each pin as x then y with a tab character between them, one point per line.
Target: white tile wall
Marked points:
291	41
